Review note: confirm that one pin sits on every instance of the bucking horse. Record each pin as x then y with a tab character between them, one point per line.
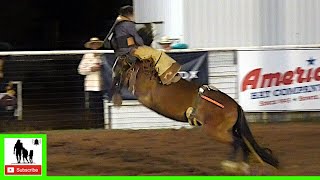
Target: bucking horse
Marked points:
220	116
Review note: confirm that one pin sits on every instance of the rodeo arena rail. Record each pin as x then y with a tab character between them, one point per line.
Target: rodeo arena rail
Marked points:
43	90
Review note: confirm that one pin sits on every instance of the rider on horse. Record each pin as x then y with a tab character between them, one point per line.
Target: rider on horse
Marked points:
125	40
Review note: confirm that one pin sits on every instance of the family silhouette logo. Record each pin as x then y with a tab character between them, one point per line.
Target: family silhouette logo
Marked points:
24	154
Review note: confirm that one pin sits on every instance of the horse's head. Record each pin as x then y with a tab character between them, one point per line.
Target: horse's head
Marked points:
123	76
123	64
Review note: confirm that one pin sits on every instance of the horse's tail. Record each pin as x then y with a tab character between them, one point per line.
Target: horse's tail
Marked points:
262	154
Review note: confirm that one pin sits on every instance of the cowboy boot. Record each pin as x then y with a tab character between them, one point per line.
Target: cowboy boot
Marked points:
176	78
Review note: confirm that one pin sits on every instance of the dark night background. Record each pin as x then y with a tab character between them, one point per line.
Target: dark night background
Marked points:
56	24
53	91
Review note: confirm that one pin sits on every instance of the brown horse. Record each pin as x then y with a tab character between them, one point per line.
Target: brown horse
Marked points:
220	116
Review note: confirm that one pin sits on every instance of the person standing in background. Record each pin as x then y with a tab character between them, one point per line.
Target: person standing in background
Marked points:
91	67
8	100
3	82
1	68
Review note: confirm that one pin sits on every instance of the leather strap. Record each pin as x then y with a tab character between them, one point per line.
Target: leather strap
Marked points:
130	41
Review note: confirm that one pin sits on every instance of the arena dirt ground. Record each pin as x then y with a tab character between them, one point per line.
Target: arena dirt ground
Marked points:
177	152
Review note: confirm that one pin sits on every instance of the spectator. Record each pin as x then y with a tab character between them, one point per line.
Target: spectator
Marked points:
165	43
91	66
1	68
3	47
8	102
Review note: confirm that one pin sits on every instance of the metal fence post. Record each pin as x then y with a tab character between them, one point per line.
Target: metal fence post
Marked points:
19	99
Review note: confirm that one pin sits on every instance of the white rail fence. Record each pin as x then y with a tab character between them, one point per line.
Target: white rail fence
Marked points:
222	73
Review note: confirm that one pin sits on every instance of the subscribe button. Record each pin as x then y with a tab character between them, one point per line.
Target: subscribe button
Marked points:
23	170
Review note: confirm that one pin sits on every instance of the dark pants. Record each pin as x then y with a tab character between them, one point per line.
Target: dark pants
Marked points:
94	105
6	114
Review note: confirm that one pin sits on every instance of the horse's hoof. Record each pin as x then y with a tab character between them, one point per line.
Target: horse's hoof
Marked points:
117	100
230	166
244	168
235	168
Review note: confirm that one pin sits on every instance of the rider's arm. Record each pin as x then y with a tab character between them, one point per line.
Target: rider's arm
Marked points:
130	26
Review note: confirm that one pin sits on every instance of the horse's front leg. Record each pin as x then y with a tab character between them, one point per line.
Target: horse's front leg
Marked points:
116	91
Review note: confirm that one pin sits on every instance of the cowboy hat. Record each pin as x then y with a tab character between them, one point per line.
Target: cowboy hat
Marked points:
165	40
93	40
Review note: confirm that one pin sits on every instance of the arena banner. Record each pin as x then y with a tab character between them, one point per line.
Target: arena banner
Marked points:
279	80
194	68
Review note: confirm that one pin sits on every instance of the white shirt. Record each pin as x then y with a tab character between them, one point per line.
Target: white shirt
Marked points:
93	80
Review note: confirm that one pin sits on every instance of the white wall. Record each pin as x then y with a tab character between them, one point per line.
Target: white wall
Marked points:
168	11
138	117
236	23
222	72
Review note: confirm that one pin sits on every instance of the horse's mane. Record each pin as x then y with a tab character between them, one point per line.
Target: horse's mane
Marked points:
147	67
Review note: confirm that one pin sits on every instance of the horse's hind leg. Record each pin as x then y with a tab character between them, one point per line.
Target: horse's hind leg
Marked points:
220	131
246	152
231	164
236	145
239	143
226	133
